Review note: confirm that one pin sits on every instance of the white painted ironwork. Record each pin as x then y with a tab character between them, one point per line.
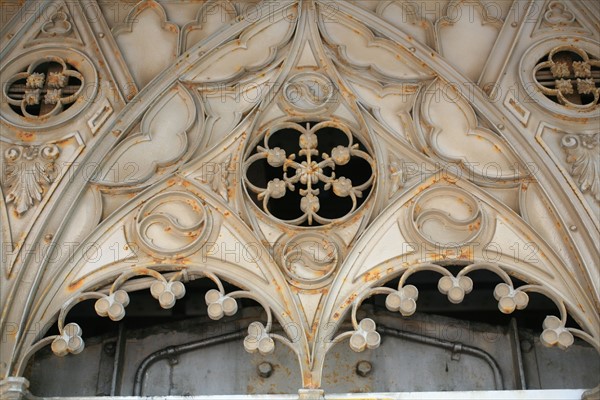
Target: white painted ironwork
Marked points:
465	144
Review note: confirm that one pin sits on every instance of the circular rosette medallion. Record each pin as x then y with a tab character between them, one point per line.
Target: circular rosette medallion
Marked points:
309	174
44	88
309	258
173	224
561	74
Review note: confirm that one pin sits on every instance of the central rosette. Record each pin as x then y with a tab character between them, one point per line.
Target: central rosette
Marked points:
309	174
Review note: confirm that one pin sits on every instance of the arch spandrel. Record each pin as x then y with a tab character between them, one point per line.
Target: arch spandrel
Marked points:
432	200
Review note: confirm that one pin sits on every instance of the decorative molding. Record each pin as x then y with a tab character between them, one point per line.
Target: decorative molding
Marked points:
163	138
559	15
520	112
149	43
212	16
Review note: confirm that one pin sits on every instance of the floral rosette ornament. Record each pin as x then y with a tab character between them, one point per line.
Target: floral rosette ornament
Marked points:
312	174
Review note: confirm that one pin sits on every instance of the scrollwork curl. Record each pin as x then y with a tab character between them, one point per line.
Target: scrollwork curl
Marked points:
172	224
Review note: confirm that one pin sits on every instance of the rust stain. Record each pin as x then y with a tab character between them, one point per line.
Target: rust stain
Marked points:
349	300
76	285
372	275
26	136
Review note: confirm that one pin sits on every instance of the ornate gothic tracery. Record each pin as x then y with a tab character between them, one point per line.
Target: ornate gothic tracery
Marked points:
441	175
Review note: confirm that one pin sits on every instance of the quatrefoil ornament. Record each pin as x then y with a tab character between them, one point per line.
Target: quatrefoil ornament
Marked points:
568	77
320	178
44	89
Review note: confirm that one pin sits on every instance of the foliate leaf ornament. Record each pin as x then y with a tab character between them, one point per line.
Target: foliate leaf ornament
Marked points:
30	170
582	155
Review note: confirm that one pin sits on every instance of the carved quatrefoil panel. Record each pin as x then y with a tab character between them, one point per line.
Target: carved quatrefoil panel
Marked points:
44	88
563	79
566	76
309	173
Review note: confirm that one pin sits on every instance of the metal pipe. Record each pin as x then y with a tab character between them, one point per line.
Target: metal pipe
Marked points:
115	386
187	347
179	349
455	347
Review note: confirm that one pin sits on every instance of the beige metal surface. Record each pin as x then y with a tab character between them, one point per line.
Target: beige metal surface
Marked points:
128	132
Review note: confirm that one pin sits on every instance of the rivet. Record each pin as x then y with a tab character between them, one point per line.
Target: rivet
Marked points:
412	49
364	368
514	24
265	369
110	348
101	35
526	346
573	228
48	237
500	126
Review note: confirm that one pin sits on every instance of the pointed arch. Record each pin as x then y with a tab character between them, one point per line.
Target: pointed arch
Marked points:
336	53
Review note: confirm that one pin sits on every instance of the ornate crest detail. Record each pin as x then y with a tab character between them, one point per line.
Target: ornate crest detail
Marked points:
582	155
29	171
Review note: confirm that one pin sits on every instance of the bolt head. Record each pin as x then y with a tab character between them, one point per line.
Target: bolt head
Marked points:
364	368
265	369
